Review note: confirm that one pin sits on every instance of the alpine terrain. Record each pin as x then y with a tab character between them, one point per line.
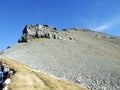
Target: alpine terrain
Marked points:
85	57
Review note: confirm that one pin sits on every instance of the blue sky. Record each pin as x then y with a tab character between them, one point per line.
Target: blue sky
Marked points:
99	15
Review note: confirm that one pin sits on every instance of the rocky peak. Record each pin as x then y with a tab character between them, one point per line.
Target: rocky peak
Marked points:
42	31
31	32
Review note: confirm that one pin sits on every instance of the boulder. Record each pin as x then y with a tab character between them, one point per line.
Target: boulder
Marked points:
41	31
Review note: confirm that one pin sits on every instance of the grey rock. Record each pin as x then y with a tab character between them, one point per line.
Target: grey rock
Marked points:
83	56
41	31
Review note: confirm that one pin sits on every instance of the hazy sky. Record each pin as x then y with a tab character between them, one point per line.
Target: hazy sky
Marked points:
100	15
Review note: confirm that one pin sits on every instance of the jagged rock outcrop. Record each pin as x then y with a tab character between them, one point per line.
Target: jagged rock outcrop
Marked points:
42	31
31	32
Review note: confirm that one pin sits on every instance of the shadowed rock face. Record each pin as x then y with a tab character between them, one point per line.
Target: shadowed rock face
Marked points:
41	31
83	56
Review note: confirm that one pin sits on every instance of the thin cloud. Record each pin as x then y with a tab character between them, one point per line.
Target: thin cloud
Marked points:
107	25
101	28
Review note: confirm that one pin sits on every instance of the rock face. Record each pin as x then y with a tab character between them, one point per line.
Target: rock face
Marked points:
83	56
31	32
41	31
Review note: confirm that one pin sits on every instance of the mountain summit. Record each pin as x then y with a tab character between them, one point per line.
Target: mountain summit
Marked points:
83	56
42	31
31	32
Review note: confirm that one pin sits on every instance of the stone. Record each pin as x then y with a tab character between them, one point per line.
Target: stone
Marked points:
42	31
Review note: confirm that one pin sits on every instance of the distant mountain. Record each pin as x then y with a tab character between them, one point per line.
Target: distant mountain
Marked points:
83	56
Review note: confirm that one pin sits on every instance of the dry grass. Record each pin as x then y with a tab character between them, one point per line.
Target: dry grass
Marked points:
61	41
37	39
27	78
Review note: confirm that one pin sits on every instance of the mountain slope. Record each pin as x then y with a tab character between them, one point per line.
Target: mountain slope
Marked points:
27	78
82	56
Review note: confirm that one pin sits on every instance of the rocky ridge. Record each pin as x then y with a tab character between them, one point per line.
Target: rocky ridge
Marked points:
31	32
82	56
42	31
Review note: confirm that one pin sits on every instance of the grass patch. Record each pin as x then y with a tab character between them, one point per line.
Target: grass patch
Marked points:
37	39
27	78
